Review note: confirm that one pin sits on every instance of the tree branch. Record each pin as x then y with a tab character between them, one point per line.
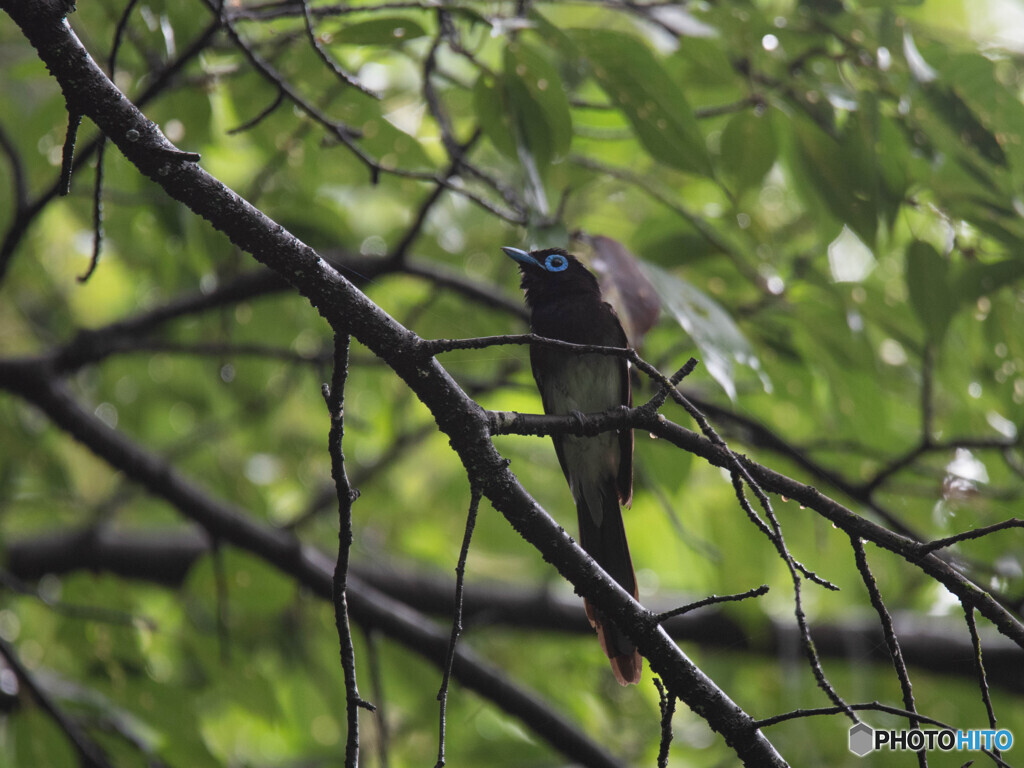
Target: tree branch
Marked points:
89	752
334	395
933	645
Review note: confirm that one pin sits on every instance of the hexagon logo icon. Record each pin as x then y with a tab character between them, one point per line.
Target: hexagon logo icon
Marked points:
862	737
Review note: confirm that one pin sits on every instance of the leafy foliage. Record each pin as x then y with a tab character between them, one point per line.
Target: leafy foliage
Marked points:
825	195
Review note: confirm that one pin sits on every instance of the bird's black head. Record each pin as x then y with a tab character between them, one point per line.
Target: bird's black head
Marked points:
551	273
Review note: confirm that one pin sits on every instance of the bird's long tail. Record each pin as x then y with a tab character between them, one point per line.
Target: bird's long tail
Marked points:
605	541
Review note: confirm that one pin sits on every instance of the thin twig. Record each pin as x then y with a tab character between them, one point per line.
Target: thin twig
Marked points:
336	68
67	160
122	25
667	706
460	581
90	754
798	608
334	395
433	101
18	177
873	706
711	600
260	116
97	191
457	152
975	533
889	632
980	665
97	214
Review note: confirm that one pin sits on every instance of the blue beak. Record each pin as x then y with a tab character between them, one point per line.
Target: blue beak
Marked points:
522	257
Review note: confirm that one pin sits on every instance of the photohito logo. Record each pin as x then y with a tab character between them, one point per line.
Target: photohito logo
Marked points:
865	739
861	739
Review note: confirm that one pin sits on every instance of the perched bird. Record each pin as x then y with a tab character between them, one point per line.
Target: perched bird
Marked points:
565	303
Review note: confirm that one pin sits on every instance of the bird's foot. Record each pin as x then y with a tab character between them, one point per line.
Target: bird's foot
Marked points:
578	419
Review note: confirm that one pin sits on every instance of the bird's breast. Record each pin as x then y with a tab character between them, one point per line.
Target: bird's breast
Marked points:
584	383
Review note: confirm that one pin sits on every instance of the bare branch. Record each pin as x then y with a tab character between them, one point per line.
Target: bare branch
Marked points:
460	581
18	181
97	214
975	533
90	754
334	67
712	600
667	705
334	395
972	627
260	116
891	641
165	558
68	153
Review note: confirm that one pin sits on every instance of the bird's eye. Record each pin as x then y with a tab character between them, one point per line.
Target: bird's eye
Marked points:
555	263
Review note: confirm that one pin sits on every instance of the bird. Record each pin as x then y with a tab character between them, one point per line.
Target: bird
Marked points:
565	303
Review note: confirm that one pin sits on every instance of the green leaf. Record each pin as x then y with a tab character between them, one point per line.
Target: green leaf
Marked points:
931	295
947	105
978	280
393	147
838	175
525	107
748	149
650	99
721	343
983	113
381	31
489	106
537	103
554	38
705	62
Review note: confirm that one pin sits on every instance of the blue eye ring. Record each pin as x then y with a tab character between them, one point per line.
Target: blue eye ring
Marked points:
556	262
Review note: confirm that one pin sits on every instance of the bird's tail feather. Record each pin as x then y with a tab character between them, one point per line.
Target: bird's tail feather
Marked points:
607	544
